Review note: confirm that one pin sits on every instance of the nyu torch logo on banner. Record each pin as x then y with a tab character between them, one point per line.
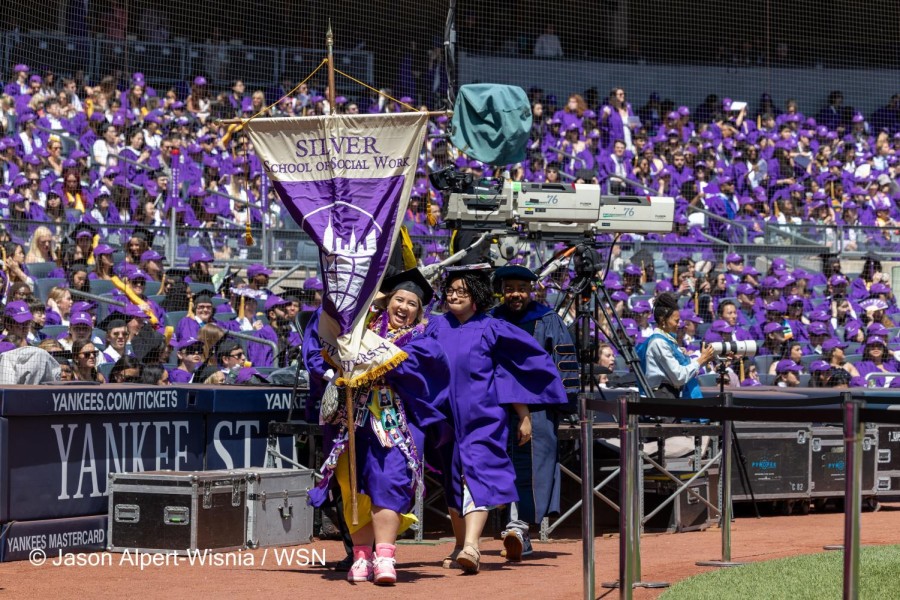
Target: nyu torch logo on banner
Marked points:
346	180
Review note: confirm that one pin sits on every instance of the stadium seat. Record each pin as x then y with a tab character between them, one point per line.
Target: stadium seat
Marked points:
766	379
764	362
43	286
804	379
809	358
54	331
105	369
151	288
40	270
101	286
174	316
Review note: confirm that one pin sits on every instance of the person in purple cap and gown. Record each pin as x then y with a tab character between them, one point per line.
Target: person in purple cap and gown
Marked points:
204	314
876	359
397	410
277	330
494	365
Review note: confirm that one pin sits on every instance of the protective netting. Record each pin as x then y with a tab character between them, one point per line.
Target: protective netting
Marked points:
686	51
683	51
792	101
270	46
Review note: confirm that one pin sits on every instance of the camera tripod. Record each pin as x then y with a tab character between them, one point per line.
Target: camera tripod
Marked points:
592	299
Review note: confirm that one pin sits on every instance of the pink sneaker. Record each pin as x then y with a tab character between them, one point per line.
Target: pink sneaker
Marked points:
362	565
385	573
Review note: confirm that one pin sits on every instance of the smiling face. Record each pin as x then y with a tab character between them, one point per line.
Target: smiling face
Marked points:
403	309
517	294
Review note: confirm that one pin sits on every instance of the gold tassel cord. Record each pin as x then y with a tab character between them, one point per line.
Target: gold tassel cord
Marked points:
236	125
239	123
368	377
379	92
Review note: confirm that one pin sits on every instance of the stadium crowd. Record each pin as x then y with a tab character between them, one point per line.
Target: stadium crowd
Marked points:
82	165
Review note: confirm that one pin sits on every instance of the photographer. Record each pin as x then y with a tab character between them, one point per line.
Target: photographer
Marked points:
670	372
279	331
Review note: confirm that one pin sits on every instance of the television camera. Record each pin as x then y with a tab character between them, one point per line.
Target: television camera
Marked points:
550	209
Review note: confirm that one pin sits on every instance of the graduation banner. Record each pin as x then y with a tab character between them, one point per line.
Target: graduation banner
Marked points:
346	180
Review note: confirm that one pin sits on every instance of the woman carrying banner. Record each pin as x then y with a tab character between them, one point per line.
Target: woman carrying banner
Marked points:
493	364
391	416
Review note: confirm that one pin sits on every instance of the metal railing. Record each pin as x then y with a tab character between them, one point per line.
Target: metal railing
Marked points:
728	226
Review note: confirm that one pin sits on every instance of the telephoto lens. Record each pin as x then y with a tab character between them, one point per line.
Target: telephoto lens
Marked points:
745	348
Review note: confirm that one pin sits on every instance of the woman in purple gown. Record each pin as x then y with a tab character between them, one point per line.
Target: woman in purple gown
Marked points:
876	359
493	363
391	417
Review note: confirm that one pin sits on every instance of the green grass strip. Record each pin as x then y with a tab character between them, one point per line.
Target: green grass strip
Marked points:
811	577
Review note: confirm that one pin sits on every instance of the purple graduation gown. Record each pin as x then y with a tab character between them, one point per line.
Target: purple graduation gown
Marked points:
383	472
422	383
492	363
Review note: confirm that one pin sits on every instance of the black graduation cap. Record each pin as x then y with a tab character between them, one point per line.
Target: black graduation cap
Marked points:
411	281
828	258
871	256
177	273
112	321
148	345
143	234
514	272
304	317
61	356
228	280
73	235
289	293
205	296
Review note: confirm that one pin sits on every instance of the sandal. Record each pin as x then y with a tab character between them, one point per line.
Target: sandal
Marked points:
469	558
450	560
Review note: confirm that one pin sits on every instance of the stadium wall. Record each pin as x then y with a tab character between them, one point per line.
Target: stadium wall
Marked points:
865	90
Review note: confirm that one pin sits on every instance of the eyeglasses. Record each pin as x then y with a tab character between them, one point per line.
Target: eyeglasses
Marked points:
89	354
117	334
193	350
238	355
458	292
